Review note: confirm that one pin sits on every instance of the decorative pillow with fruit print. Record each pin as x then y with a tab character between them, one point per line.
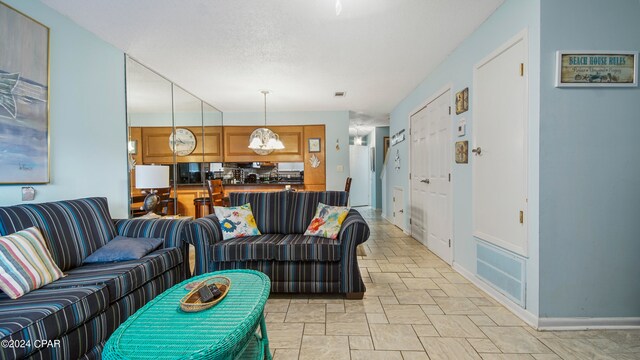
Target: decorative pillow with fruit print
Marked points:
237	221
327	221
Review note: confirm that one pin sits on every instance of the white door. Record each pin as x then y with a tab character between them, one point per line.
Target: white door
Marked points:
439	157
398	207
360	184
418	175
500	156
430	182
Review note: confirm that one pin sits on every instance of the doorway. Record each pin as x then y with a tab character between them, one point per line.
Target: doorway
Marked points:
430	176
360	194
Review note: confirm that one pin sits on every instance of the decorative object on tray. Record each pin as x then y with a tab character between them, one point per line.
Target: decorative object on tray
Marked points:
192	302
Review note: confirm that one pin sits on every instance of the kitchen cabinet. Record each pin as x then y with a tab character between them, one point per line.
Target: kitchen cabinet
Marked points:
157	150
315	177
236	142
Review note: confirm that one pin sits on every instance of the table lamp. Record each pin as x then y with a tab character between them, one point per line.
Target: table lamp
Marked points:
150	178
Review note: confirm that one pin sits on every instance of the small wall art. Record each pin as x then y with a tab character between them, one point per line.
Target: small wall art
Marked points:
314	145
462	152
597	68
462	101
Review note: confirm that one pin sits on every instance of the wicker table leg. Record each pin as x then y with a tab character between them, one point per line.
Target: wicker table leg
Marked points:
265	337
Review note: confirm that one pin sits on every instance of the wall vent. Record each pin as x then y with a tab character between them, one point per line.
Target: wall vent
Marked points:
340	94
502	270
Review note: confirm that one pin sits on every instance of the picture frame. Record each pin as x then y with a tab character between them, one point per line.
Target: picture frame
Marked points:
596	68
462	101
386	140
314	145
462	152
24	91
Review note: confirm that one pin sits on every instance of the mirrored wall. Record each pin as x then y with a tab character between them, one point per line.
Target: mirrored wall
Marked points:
169	126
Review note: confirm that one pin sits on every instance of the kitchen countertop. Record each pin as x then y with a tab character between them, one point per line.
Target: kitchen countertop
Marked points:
267	184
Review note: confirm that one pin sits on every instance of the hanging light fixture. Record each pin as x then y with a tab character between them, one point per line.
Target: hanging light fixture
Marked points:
263	141
358	139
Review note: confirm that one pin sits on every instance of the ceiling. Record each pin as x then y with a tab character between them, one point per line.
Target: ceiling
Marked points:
225	52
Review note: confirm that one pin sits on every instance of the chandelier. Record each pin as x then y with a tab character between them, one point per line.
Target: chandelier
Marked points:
263	141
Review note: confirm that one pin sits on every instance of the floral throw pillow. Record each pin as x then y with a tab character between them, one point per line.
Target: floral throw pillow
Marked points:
237	221
327	221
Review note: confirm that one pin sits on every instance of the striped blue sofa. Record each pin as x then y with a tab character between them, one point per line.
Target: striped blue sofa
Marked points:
79	312
295	263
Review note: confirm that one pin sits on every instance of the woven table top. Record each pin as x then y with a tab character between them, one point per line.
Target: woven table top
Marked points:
160	330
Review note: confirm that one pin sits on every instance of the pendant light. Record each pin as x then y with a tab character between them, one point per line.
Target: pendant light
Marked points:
358	139
263	141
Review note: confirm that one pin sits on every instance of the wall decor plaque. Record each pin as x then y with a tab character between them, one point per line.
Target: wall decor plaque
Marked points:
462	152
24	98
462	101
596	68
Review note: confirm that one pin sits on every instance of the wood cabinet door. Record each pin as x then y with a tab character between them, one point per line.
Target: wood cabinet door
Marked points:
317	175
236	142
156	149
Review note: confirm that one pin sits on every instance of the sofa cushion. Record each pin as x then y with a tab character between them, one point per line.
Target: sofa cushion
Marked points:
73	229
302	207
123	248
47	314
122	278
236	221
298	247
262	247
269	209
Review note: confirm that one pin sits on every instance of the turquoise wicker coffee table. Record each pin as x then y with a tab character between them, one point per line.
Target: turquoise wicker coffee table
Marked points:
160	330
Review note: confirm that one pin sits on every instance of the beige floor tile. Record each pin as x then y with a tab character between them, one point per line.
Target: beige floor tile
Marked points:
375	289
437	293
576	349
420	283
375	355
397	268
460	290
286	354
458	306
425	330
351	323
306	313
368	263
385	278
394	337
455	278
400	260
416	297
388	300
285	336
405	314
368	305
482	320
546	357
332	308
277	305
314	329
514	340
275	317
439	348
325	347
483	301
373	318
502	316
414	355
507	357
432	309
455	326
360	343
483	346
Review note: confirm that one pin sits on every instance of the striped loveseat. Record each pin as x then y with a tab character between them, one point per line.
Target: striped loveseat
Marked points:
295	263
77	313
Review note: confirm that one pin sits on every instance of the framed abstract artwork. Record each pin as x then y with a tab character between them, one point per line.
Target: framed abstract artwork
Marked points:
24	99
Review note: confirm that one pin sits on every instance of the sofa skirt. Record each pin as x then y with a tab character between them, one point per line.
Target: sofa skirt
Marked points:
292	276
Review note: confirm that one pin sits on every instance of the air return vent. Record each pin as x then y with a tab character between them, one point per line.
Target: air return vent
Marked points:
503	271
340	94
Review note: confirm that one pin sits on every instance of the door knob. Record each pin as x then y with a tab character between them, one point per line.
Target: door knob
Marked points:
425	181
477	150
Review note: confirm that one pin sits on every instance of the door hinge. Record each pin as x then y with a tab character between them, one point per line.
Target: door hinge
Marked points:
394	199
449	242
409	131
449	177
521	69
409	221
409	176
394	214
521	217
449	110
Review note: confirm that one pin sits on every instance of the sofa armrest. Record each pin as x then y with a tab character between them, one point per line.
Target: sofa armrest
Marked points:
354	231
204	233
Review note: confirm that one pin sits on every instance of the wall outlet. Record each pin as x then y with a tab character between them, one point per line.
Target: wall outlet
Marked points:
340	168
28	193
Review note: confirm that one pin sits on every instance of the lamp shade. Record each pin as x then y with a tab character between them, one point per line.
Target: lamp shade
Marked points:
152	176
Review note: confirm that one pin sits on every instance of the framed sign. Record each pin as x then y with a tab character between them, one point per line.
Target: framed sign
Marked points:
314	145
596	68
24	98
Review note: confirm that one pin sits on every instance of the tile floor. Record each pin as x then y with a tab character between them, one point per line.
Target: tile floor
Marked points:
417	307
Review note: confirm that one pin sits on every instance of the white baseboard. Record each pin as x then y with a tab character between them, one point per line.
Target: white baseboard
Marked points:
588	323
516	309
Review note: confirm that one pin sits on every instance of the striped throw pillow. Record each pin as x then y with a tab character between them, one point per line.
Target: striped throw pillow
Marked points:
25	263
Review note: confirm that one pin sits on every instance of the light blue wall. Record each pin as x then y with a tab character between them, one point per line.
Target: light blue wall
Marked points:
589	169
87	115
457	72
336	128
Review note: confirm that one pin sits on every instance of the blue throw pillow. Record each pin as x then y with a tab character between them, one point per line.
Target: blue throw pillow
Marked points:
123	248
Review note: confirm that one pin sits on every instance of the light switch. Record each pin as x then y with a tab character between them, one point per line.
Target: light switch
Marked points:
462	127
340	168
28	193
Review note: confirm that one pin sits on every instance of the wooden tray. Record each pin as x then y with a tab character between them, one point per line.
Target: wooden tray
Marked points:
191	302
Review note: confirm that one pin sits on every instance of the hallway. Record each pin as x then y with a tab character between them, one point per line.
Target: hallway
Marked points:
417	307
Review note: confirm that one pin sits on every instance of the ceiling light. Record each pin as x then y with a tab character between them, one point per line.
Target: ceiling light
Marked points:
338	7
262	140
